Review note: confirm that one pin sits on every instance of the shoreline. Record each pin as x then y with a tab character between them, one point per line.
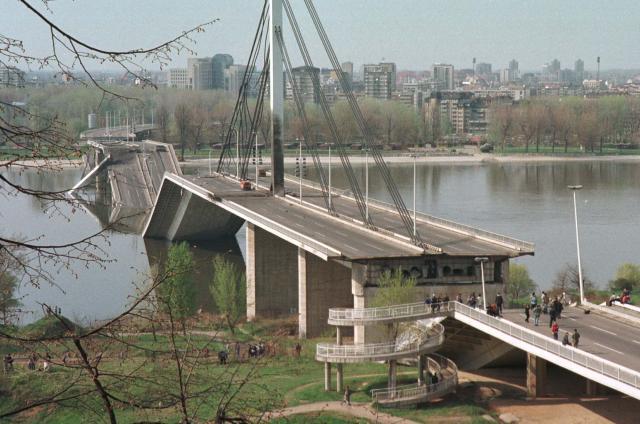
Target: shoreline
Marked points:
476	159
453	160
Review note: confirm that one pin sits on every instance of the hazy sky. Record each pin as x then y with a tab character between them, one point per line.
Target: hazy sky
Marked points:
413	33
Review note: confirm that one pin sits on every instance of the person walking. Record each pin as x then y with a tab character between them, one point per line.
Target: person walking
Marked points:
575	338
565	339
559	308
536	314
347	397
526	313
534	300
554	329
552	316
499	302
545	303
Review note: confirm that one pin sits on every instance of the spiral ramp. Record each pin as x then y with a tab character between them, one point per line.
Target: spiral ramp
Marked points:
422	336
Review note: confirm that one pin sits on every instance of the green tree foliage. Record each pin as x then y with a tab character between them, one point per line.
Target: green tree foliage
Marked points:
228	289
394	289
176	293
627	276
519	282
9	282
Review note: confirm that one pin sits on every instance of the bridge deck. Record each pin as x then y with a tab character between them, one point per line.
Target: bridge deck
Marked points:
600	335
345	234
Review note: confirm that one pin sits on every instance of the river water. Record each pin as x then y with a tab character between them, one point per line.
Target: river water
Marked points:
525	200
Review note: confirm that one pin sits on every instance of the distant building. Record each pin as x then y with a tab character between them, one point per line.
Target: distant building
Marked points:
443	75
307	79
391	68
514	71
234	76
178	78
579	70
483	69
219	64
378	81
348	68
11	77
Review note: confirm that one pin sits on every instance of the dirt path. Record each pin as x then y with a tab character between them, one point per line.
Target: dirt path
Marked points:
359	410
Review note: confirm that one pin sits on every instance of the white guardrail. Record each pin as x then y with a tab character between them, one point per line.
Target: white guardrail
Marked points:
418	310
592	362
422	391
432	337
440	222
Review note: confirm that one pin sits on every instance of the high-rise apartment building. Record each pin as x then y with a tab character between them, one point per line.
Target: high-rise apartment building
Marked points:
307	80
178	78
378	81
347	67
234	76
391	68
514	71
443	75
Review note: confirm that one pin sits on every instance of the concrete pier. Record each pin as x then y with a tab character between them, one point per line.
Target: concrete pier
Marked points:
321	285
536	376
272	275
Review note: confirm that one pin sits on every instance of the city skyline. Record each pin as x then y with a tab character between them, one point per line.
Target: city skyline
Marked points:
493	32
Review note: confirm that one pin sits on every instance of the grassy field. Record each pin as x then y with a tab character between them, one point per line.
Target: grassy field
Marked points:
281	380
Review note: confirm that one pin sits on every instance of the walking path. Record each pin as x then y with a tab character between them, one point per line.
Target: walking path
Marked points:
359	410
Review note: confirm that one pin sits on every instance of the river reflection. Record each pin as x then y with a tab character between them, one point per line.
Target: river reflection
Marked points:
528	201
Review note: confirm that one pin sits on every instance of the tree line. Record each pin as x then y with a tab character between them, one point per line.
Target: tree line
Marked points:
564	123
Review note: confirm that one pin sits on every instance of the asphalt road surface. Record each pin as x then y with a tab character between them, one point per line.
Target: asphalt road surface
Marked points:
607	338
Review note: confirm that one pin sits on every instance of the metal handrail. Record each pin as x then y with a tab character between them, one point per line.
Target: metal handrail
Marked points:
383	313
432	337
422	391
585	359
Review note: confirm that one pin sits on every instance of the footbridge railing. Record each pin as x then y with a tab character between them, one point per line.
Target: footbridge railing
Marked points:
413	393
410	311
431	339
598	365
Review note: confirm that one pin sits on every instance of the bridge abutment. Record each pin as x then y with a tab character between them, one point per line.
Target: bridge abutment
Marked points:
536	376
272	277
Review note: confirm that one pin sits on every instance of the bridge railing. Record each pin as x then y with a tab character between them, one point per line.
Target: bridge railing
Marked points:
602	366
441	222
423	391
348	315
432	337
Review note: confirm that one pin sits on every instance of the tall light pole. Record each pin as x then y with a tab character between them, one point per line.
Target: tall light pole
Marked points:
330	175
414	195
482	260
300	168
237	153
575	188
366	183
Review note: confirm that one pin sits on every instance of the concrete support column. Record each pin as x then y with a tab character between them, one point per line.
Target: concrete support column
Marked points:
272	275
592	387
536	375
358	281
393	373
327	376
421	361
321	285
339	373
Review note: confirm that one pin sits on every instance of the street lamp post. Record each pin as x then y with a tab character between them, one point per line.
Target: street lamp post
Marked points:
366	183
414	195
482	260
575	188
237	153
330	204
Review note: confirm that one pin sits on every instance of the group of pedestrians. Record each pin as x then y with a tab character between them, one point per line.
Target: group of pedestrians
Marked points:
624	297
32	362
436	301
554	309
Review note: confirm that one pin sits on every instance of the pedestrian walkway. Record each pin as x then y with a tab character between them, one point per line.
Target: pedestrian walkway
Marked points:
358	410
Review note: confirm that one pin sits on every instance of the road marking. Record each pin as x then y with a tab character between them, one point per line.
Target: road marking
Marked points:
601	329
607	347
635	341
